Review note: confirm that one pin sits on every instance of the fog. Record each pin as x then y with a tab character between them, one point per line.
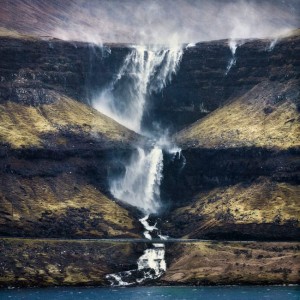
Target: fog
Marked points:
156	21
178	21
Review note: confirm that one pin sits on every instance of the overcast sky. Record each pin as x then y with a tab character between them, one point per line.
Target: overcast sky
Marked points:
157	21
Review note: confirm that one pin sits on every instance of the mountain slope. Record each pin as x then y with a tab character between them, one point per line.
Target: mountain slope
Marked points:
29	126
267	116
258	210
215	263
240	166
57	152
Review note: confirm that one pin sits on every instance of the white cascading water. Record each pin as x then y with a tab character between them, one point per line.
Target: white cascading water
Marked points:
145	70
232	45
272	45
140	185
153	259
151	265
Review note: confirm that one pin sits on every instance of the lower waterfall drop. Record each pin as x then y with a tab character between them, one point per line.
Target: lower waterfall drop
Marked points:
151	265
152	259
140	186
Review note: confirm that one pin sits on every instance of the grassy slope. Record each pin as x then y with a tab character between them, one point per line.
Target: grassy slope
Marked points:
55	201
44	262
24	126
48	263
233	263
61	205
262	201
266	116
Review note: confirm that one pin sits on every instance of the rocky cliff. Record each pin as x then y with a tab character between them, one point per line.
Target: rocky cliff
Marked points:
204	81
31	68
56	151
237	176
241	177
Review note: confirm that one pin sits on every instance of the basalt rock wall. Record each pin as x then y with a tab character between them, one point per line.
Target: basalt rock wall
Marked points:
31	68
204	83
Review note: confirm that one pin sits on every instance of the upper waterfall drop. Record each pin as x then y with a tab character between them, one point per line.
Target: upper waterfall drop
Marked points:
146	69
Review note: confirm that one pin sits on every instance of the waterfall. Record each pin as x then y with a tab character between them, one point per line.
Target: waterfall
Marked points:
145	70
232	45
140	185
151	265
272	45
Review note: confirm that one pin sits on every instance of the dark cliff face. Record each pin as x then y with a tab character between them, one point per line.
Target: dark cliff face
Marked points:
45	82
202	83
31	68
232	194
245	148
209	168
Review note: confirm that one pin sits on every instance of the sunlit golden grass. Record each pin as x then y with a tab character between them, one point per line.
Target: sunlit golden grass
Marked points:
40	262
262	201
33	197
233	263
24	126
259	118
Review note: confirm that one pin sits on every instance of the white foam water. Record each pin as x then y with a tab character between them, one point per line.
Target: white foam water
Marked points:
272	45
152	258
151	265
233	45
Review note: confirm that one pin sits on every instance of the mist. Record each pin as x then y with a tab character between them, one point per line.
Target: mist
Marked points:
153	22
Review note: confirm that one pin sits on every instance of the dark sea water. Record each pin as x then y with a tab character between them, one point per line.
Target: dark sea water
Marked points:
144	293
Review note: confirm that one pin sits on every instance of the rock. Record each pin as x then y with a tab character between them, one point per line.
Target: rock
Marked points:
32	68
202	86
31	263
259	210
57	152
217	263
